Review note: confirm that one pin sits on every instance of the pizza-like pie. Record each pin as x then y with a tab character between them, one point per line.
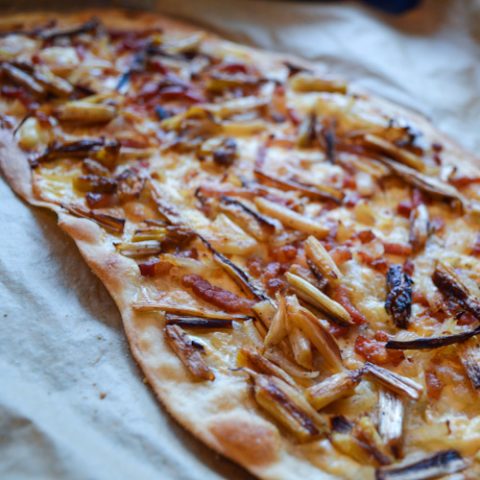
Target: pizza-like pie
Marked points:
295	261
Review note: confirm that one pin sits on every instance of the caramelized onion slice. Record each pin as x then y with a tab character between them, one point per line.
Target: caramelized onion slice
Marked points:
316	253
318	299
182	310
395	382
390	418
333	388
189	352
288	406
391	150
140	249
323	341
109	222
434	466
22	78
289	185
470	358
428	184
238	275
425	343
291	219
86	113
251	358
419	228
304	82
451	286
185	321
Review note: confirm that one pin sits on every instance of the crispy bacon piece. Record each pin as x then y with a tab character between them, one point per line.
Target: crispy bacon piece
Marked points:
217	296
397	249
340	294
399	296
373	350
189	352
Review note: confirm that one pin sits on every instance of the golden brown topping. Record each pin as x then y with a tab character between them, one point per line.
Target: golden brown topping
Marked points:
288	406
242	279
112	223
419	228
451	286
318	299
399	296
189	352
390	419
52	83
301	348
95	183
22	78
470	358
400	154
434	466
103	151
317	254
315	331
426	343
291	219
86	113
140	249
428	184
257	225
305	82
333	388
185	321
130	185
395	382
217	296
316	192
278	329
250	358
366	432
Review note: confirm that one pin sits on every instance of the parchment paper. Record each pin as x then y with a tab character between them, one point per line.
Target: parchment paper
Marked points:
72	402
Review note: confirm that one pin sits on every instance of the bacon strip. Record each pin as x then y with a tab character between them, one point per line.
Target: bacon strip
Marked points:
217	296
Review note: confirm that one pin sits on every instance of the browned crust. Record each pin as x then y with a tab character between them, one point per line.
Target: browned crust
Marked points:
223	417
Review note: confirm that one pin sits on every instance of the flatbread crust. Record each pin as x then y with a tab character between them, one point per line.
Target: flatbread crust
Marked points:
221	414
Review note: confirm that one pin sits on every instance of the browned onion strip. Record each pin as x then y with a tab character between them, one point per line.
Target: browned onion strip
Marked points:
189	352
104	151
197	322
434	466
87	27
390	419
310	191
398	383
22	78
426	343
242	279
470	358
430	185
391	150
182	310
419	228
288	406
251	358
264	222
451	286
108	222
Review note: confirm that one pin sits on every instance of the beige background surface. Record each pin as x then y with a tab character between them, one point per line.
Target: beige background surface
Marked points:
72	402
